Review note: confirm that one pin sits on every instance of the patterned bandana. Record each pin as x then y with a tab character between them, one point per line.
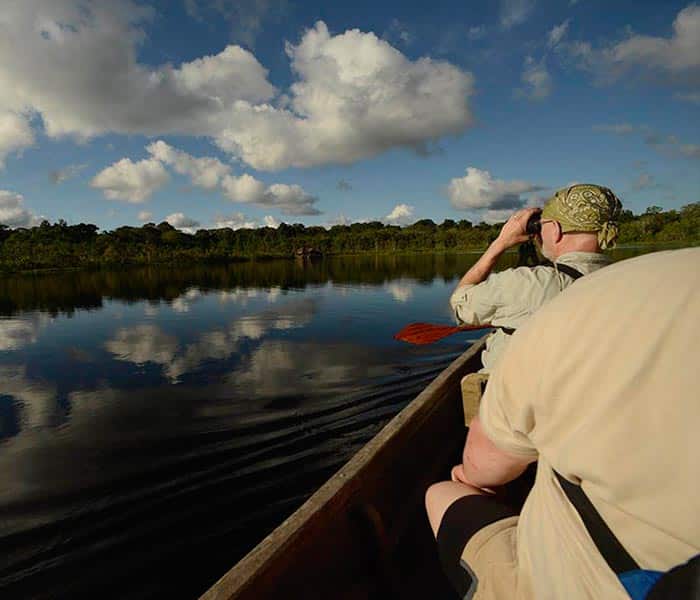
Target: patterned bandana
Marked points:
586	207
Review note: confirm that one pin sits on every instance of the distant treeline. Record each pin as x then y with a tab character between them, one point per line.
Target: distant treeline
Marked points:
62	245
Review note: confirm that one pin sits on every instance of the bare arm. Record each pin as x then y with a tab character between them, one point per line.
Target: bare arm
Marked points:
512	233
485	465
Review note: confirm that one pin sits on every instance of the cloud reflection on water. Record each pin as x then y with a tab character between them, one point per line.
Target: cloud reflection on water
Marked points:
16	333
279	368
108	425
36	400
241	296
146	343
182	303
143	343
401	292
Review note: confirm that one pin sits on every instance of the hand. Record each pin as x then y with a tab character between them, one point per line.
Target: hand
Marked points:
513	232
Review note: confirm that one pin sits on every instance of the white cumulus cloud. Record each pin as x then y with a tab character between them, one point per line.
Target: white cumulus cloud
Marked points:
341	219
144	216
479	190
131	181
232	75
270	221
205	172
13	213
135	182
180	221
289	199
355	96
678	53
243	188
15	132
674	60
400	214
234	221
75	64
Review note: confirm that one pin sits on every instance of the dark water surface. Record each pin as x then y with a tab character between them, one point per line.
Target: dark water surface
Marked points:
156	423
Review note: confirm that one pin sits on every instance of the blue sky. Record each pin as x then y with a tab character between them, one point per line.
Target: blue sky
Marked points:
250	112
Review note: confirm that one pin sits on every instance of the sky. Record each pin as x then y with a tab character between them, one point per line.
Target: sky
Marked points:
249	113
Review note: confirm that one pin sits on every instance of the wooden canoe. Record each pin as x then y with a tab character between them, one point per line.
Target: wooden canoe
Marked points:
364	533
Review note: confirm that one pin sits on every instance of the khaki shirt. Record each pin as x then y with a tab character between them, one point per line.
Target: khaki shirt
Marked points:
509	297
602	385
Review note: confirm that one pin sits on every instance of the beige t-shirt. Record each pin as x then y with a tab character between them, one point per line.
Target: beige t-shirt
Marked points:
508	298
603	385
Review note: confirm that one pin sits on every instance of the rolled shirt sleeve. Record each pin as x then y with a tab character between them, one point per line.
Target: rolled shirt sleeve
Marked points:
476	304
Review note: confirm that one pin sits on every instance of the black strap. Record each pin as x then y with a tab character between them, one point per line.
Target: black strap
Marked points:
608	545
570	271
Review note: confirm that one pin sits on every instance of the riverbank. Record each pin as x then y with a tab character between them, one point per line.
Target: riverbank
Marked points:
60	245
190	262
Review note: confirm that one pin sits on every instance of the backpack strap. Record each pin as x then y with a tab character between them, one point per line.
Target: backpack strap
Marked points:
570	271
608	545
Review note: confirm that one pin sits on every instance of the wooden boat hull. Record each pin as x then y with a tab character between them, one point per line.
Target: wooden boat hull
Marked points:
364	533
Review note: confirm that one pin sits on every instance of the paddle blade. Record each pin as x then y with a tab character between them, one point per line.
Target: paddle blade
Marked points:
425	333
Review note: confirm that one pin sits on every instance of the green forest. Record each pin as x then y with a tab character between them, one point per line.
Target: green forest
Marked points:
56	245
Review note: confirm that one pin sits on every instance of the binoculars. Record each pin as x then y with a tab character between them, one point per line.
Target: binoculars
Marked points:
534	224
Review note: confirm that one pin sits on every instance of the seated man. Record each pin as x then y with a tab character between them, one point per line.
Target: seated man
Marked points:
601	388
577	223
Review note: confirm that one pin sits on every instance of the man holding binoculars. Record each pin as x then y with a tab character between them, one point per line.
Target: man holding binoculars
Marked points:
572	229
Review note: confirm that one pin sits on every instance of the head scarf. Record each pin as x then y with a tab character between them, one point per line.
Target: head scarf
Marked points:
586	207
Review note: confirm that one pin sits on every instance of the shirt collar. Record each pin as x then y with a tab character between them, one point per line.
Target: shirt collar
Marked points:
587	258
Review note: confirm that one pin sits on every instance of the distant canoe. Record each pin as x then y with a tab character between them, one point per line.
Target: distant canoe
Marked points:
364	533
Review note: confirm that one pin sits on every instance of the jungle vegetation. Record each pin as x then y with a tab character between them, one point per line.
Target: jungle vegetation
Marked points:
55	245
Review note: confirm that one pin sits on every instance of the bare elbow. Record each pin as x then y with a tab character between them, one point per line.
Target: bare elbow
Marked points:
485	464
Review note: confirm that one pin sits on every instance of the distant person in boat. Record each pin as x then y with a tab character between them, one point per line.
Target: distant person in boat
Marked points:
600	387
576	225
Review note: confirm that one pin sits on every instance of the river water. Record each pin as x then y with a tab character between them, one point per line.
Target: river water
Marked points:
156	423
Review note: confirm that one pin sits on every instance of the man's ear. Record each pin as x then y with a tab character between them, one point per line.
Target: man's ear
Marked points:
558	233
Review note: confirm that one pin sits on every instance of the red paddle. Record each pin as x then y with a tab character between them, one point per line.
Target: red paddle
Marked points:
427	333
